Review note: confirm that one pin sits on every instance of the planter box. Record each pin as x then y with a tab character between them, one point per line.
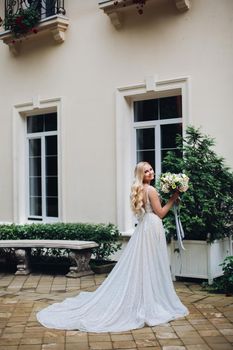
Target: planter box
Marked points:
199	259
102	266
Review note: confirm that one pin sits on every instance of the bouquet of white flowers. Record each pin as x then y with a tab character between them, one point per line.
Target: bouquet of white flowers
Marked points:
172	182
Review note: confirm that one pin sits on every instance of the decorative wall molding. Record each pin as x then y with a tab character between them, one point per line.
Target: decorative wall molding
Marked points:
182	5
20	186
116	18
125	154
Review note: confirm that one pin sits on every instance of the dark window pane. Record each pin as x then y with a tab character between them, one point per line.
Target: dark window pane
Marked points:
35	166
170	107
146	110
35	206
36	4
50	122
51	145
145	138
146	156
35	123
50	8
51	166
52	206
40	123
35	186
51	186
168	135
35	147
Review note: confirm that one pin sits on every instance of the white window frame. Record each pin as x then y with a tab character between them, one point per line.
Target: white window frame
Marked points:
20	156
156	125
41	136
125	137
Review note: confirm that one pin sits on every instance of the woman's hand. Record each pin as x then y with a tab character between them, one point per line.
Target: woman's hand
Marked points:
175	195
178	200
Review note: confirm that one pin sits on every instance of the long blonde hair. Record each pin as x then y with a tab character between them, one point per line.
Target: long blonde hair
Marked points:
136	195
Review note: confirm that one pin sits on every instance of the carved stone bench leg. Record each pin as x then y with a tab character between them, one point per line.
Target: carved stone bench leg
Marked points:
80	263
22	258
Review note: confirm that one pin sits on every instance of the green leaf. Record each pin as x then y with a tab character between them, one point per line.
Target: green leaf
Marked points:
206	208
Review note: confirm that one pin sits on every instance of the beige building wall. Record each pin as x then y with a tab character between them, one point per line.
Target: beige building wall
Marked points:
84	74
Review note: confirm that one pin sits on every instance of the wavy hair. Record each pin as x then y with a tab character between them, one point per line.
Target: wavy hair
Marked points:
136	195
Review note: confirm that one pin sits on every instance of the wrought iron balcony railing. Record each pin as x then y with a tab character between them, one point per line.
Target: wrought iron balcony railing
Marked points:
24	18
46	8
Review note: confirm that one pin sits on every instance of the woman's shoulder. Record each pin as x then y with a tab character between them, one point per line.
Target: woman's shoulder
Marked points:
152	190
148	188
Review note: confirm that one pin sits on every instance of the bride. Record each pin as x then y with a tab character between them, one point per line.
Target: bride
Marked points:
139	290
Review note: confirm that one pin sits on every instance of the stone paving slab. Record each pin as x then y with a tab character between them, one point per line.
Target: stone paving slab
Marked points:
209	326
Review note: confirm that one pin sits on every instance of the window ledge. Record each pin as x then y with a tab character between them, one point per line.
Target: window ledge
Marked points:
115	12
54	25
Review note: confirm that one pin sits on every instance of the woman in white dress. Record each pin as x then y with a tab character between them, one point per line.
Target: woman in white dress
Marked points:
139	290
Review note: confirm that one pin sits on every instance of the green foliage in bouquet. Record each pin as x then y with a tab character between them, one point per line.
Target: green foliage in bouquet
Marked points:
207	206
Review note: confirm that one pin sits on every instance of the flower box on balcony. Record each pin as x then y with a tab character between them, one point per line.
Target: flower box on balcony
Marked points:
54	26
114	8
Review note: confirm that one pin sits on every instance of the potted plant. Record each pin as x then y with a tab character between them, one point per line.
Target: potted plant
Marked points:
22	22
109	244
205	209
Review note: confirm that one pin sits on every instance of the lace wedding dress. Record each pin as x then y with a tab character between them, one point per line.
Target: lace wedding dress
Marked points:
138	291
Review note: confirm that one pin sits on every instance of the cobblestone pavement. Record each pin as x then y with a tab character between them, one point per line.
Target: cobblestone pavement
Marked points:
209	325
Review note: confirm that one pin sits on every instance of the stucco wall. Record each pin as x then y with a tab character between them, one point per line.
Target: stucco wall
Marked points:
87	68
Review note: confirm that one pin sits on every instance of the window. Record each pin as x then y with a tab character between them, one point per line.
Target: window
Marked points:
42	167
157	123
46	8
166	111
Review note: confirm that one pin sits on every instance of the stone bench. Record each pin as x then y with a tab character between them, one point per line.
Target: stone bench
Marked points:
79	255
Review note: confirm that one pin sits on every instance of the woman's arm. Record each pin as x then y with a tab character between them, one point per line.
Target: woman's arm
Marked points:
156	205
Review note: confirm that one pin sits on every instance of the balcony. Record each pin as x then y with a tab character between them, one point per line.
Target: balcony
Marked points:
115	9
50	21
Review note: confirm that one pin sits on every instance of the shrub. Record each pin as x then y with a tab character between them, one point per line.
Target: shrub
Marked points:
207	207
227	267
223	284
106	235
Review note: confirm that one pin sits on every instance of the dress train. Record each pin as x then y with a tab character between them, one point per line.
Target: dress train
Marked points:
139	291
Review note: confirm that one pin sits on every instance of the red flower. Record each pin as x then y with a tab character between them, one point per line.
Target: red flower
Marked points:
19	19
139	4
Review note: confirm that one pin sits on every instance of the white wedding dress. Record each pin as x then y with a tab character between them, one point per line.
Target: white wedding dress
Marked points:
139	290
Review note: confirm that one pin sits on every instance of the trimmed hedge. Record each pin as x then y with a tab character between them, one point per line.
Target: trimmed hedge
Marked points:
106	235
